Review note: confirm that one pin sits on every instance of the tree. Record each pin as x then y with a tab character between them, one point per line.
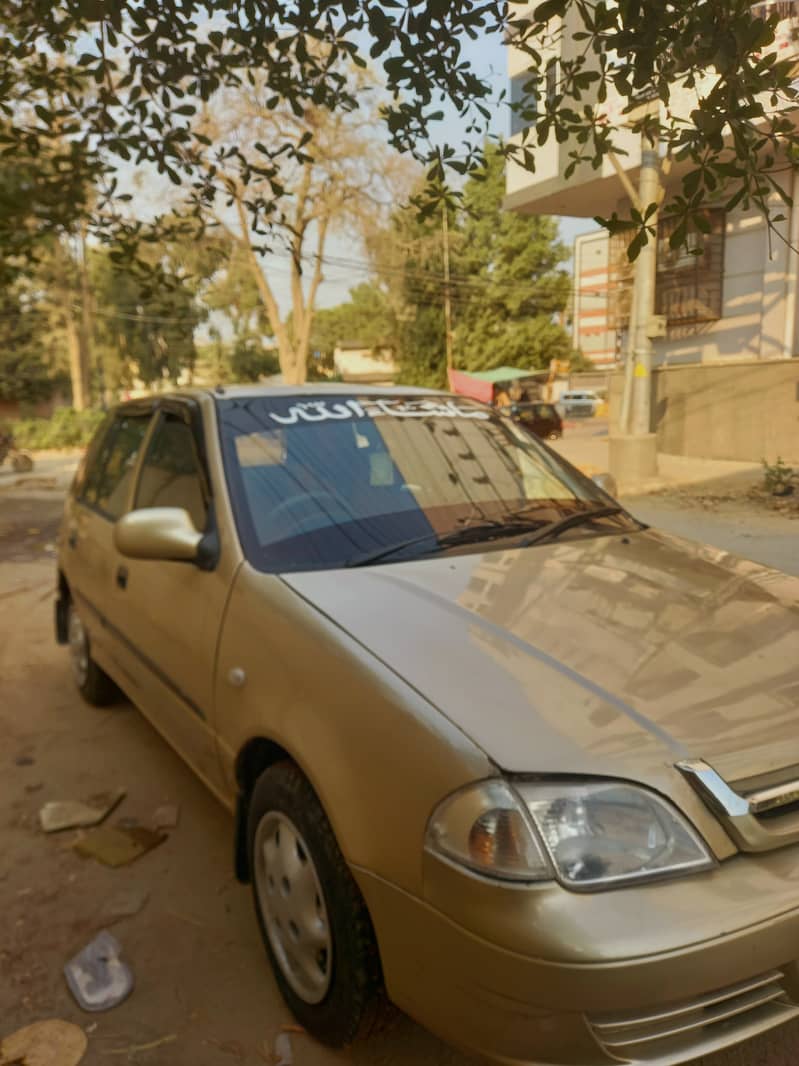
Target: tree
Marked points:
508	288
367	317
332	178
44	197
26	371
409	259
739	134
130	82
251	360
142	332
232	291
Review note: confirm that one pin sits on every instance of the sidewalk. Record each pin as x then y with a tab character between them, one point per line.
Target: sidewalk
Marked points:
587	448
52	472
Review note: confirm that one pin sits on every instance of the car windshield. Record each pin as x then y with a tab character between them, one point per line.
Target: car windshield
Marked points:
323	481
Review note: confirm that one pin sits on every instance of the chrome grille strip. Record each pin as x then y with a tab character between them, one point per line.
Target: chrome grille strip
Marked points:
770	799
712	999
736	812
665	1036
712	1017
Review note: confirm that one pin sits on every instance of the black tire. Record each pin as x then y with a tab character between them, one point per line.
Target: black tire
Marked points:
354	999
94	684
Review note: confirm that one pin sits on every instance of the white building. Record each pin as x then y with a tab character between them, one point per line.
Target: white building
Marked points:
594	322
737	301
360	363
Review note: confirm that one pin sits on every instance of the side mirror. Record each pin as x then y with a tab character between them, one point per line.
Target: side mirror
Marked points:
607	483
165	533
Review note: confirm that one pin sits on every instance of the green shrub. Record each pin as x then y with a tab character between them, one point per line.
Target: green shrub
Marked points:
65	429
777	477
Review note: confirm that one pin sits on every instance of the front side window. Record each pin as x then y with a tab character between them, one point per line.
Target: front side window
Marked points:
171	473
319	482
91	457
109	478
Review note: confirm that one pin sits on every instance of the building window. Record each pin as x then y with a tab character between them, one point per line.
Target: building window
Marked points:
522	86
689	281
523	107
784	9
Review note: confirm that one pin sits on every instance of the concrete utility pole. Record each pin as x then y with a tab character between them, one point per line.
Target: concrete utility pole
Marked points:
644	300
633	452
447	294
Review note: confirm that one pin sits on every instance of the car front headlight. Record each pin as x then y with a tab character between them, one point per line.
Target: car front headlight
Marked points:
589	835
485	828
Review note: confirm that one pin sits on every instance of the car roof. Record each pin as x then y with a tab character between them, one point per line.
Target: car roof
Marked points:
326	388
323	388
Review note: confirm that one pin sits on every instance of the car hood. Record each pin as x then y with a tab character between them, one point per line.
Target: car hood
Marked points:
613	654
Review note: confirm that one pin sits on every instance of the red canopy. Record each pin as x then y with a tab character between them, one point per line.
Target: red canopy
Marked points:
474	388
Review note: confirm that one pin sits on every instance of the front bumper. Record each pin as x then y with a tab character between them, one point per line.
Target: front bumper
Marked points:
536	975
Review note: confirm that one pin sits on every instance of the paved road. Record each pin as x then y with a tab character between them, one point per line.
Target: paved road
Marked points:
202	980
734	526
766	538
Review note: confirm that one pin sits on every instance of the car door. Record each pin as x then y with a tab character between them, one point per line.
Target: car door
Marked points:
100	496
168	614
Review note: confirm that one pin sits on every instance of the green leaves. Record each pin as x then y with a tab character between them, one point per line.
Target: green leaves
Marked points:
549	10
132	81
505	287
719	76
135	79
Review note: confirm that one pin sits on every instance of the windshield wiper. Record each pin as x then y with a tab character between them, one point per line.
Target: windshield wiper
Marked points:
554	529
487	529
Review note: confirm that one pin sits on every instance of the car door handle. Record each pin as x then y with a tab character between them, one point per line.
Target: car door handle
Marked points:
122	577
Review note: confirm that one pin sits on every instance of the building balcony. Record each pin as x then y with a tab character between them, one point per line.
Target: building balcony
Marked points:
598	191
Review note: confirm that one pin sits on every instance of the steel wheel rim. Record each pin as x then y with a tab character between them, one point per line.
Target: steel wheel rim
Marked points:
293	907
78	648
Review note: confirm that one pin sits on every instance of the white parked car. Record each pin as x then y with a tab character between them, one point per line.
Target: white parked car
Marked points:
580	403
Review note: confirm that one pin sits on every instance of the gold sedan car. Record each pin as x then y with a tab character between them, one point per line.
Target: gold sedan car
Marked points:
495	749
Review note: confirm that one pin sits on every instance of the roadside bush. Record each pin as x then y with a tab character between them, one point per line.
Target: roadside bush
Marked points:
65	429
777	477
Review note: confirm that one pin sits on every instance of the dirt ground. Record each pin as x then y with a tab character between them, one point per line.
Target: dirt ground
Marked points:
202	979
204	995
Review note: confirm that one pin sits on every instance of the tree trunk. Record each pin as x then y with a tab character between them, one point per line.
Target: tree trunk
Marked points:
77	369
286	352
86	325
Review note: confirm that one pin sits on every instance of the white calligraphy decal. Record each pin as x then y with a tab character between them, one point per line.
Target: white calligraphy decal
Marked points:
322	411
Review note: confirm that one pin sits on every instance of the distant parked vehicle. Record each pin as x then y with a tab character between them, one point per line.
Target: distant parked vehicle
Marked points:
540	418
579	403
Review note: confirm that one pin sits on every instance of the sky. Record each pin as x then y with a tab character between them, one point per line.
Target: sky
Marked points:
487	57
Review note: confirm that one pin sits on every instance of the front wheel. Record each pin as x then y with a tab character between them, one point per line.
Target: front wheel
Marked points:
313	919
94	684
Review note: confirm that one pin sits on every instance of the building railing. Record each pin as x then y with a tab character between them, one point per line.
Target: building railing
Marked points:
784	9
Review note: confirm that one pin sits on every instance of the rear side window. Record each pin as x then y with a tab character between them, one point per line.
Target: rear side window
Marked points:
171	475
108	480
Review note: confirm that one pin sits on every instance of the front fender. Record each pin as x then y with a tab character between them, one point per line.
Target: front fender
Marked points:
379	756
